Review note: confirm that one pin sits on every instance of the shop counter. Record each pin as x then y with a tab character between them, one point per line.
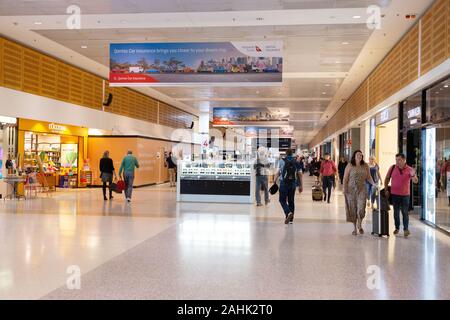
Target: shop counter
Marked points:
222	182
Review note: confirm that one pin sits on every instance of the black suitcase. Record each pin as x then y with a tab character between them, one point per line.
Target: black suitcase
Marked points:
380	216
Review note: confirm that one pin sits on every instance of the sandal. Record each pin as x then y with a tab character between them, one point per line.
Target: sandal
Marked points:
354	233
361	231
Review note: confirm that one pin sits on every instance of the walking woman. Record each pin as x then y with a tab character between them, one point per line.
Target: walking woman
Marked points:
355	191
106	173
376	176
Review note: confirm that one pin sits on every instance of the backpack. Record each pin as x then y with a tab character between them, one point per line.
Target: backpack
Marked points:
289	171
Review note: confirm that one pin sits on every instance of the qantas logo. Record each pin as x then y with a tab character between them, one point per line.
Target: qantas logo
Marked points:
258	49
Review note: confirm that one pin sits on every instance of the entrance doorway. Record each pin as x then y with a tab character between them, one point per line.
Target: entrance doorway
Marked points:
414	159
387	145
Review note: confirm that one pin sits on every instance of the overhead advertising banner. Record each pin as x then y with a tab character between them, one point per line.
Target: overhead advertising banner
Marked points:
250	116
196	63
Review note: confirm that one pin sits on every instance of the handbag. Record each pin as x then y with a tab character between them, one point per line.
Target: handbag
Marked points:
273	189
120	186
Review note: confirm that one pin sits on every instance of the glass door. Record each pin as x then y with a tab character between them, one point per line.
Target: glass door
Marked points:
414	159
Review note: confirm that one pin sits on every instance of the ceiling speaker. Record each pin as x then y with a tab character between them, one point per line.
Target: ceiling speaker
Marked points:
108	100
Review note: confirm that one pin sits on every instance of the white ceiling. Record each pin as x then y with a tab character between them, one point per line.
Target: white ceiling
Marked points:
327	52
53	7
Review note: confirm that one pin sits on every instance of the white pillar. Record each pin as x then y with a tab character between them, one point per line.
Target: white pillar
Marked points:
203	129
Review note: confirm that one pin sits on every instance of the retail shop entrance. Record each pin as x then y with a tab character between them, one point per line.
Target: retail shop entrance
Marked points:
387	147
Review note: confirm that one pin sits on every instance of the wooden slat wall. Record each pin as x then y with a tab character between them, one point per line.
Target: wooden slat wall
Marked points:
63	82
28	70
399	68
12	65
435	36
448	28
31	73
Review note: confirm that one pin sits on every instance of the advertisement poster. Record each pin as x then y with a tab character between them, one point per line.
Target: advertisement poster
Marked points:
187	63
264	132
430	174
250	116
69	155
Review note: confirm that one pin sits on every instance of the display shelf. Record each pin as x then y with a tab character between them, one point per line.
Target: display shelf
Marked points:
215	181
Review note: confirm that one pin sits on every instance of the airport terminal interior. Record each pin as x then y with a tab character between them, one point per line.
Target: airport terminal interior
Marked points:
225	150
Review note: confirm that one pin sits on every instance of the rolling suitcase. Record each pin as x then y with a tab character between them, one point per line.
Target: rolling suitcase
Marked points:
317	192
380	215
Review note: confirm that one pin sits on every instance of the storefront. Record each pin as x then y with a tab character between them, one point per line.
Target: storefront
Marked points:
412	111
436	156
8	135
383	138
56	150
349	141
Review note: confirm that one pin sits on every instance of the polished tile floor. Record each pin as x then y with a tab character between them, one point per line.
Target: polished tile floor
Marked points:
158	248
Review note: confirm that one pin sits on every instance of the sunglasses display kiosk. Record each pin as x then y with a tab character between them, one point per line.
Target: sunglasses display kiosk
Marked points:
216	181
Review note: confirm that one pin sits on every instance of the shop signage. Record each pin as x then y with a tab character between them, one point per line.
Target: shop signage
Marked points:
56	127
414	113
250	116
387	114
384	115
187	63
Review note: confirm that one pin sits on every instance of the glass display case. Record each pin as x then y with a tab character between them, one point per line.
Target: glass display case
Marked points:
215	181
215	170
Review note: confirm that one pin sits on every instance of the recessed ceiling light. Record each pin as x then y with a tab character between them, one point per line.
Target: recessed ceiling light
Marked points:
83	47
324	93
327	85
38	23
123	21
446	86
337	62
345	42
356	17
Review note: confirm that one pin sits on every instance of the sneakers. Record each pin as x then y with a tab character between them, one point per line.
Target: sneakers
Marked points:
267	202
288	218
259	204
407	233
105	198
128	200
396	231
291	221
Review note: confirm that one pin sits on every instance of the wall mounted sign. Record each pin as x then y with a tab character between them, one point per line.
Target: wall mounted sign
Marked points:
199	63
387	114
57	128
414	113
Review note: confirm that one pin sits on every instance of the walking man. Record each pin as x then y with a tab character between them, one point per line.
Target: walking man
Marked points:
289	174
327	173
401	175
129	163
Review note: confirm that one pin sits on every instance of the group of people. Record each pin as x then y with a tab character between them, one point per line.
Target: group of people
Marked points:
126	173
360	181
358	173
